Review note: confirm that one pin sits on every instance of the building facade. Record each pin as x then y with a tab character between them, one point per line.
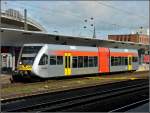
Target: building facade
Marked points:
13	19
136	38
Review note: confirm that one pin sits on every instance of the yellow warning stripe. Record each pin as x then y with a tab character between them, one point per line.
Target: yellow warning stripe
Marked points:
25	67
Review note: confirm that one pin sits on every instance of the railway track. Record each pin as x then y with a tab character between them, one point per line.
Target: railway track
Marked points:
130	106
82	99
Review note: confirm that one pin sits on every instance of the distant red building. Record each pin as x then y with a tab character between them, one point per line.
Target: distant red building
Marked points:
137	38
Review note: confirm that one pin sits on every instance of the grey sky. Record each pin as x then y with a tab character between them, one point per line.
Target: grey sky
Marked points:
67	17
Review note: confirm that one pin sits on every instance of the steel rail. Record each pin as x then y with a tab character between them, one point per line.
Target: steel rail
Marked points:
73	102
121	83
129	106
60	103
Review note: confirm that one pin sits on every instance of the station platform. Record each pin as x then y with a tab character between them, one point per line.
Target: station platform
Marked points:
5	78
144	67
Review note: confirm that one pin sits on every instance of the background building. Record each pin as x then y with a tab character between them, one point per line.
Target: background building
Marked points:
141	36
137	38
13	19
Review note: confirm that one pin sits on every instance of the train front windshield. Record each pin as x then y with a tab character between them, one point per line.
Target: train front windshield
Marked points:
27	60
31	49
28	54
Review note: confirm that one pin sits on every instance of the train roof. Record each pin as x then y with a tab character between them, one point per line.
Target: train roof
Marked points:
33	44
17	37
58	46
123	50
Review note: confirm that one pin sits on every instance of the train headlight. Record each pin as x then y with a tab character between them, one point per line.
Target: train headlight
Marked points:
26	72
20	62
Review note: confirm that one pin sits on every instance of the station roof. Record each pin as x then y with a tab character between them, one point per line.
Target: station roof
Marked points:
17	21
17	37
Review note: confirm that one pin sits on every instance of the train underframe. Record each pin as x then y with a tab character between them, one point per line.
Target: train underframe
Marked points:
24	76
28	76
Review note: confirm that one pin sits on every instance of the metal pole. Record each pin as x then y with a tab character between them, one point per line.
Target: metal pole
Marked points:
94	35
13	59
25	20
93	25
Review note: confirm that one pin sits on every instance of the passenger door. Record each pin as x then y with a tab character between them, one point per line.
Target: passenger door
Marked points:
129	62
67	64
104	55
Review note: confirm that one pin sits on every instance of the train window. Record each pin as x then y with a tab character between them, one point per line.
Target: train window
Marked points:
115	61
31	49
91	62
112	61
85	61
59	60
26	60
122	60
44	60
119	61
52	60
126	61
135	59
74	62
80	61
95	61
68	61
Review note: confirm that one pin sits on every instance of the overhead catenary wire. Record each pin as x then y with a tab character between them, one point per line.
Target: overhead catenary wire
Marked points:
122	10
78	17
